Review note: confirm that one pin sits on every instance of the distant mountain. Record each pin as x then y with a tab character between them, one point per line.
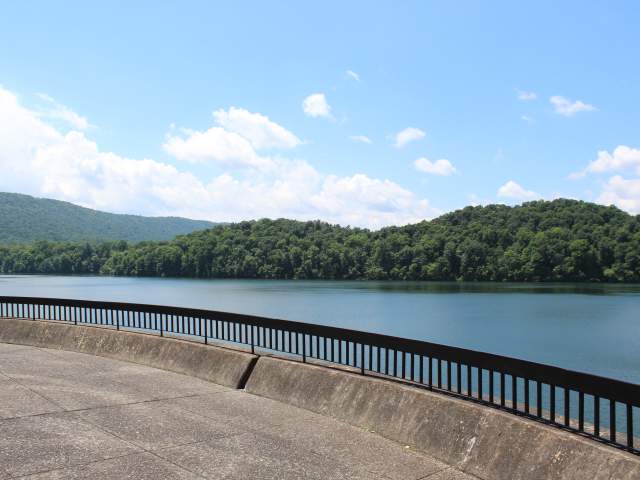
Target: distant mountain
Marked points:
25	219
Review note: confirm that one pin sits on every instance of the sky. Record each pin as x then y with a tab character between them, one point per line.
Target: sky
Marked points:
359	113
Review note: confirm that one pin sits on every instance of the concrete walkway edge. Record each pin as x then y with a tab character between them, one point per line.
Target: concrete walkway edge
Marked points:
218	365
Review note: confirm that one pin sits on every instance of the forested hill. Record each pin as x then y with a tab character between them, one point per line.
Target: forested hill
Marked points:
561	240
25	219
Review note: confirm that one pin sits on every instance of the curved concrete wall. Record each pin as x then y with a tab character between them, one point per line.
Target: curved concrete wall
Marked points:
479	440
219	365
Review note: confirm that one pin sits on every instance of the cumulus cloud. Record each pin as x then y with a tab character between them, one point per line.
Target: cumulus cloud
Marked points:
38	159
215	145
315	105
353	75
513	190
61	112
622	158
257	128
618	190
568	108
376	201
622	192
526	96
408	135
235	140
360	138
440	167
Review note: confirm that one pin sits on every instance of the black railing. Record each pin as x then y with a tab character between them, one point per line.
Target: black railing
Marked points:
594	406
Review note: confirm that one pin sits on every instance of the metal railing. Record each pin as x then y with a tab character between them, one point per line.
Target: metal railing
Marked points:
601	408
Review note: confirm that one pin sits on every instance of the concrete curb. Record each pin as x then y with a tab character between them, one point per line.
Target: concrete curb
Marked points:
218	365
476	439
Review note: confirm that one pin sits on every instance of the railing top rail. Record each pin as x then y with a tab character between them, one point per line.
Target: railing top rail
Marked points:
587	383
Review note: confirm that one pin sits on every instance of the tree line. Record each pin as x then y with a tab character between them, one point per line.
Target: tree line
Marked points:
560	240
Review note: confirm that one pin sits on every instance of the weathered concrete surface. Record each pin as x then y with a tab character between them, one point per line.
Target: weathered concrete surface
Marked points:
68	415
204	424
219	365
478	440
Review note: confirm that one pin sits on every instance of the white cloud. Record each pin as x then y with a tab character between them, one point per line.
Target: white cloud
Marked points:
623	193
407	135
618	190
376	201
526	96
257	128
61	112
315	105
622	158
75	169
360	138
353	75
527	118
568	108
234	142
215	145
513	190
440	167
37	159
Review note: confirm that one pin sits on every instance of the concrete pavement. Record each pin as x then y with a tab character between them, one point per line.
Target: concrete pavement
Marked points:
72	415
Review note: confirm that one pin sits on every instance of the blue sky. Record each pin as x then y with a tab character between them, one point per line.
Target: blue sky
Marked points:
198	109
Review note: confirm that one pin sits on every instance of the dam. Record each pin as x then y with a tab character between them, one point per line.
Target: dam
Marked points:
102	388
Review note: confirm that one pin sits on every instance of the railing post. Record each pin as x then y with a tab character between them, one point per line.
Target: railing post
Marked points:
117	320
630	427
304	348
206	323
362	358
161	327
253	343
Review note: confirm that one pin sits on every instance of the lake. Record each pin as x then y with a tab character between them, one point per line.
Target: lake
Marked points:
587	327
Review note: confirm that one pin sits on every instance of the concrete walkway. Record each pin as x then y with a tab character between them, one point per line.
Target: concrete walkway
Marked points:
66	415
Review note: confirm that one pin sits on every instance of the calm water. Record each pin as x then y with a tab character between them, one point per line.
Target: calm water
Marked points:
593	328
